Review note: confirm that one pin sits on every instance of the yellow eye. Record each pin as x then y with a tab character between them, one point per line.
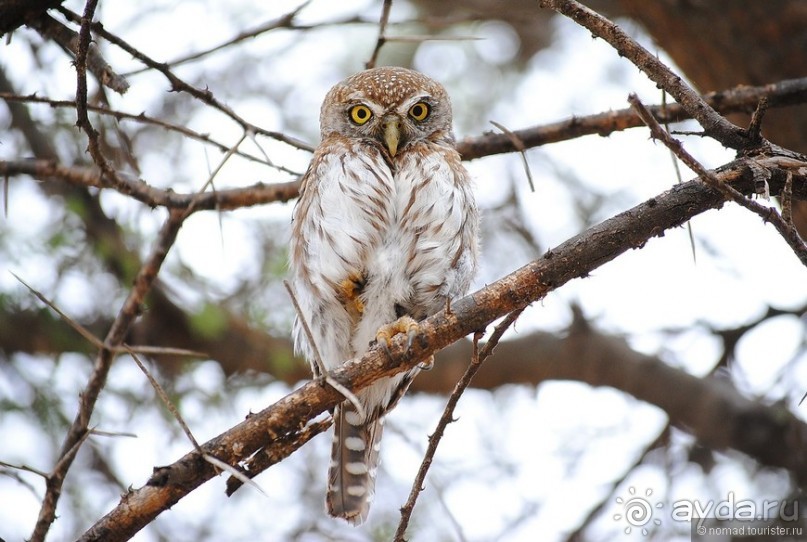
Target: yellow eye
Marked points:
419	111
360	114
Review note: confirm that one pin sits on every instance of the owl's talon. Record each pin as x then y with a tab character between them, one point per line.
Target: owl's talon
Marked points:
427	364
404	324
384	344
411	333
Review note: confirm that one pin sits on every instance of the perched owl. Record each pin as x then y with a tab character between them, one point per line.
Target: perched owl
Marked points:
384	234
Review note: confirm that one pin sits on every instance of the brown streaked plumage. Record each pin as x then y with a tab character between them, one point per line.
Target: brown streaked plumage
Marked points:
384	233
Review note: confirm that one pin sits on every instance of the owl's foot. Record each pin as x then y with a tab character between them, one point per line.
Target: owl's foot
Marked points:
404	324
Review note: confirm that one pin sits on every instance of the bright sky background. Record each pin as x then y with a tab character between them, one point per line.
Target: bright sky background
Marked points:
563	443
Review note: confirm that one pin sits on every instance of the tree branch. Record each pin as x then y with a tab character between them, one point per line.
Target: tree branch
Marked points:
220	200
737	99
12	99
777	439
15	13
477	358
382	39
79	428
714	124
769	214
740	99
67	38
177	84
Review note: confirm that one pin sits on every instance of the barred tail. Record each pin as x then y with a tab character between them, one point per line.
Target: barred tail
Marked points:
354	461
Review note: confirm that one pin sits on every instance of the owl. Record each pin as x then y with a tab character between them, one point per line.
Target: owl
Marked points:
384	234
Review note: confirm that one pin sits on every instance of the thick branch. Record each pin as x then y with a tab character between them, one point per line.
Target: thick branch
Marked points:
741	99
710	409
577	257
220	200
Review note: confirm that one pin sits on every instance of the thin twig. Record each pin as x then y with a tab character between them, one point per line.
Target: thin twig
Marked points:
166	401
5	196
234	472
593	513
678	177
336	23
382	28
519	145
714	124
81	330
68	39
477	359
79	429
787	200
83	119
159	351
114	434
430	37
98	343
284	21
318	367
755	126
209	183
25	468
230	152
768	214
450	515
144	119
177	84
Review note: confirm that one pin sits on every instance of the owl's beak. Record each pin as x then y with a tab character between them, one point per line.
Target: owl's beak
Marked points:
392	134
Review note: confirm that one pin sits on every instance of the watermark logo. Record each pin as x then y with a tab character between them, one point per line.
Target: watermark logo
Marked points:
638	511
734	509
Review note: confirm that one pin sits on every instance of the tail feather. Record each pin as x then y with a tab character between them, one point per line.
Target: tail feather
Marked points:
354	462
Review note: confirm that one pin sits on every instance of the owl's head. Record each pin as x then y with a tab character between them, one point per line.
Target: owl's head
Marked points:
391	107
